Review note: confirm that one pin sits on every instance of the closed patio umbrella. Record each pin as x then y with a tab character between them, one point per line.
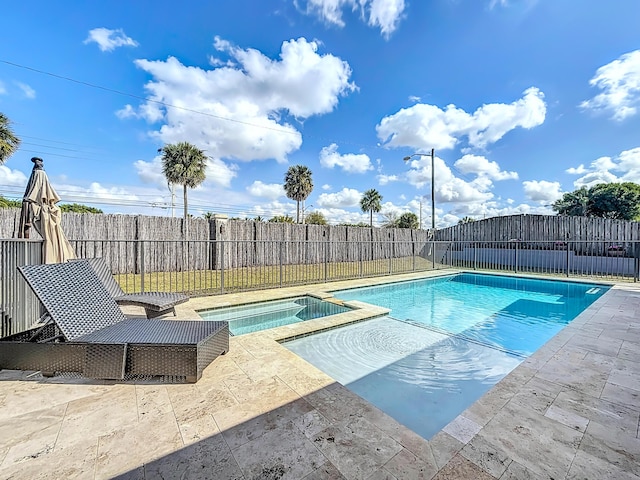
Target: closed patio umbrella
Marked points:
39	210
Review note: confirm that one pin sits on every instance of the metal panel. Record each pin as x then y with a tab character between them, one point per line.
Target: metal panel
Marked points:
19	307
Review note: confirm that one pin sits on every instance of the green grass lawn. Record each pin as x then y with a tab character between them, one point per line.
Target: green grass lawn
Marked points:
206	282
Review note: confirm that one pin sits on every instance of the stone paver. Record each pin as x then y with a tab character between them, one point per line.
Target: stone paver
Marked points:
570	411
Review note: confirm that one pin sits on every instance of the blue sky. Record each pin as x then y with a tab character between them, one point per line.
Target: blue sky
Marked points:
522	100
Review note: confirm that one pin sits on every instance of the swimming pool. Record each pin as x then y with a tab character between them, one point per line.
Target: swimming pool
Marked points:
276	313
445	342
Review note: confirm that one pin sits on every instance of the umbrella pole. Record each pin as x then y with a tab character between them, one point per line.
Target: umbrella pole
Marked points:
25	224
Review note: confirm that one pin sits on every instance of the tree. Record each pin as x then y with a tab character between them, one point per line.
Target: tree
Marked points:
298	185
407	220
391	220
78	208
316	218
620	201
360	224
574	203
370	202
605	200
6	203
466	220
9	143
184	164
281	219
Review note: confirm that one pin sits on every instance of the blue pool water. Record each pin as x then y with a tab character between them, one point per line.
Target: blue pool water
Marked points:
261	316
445	342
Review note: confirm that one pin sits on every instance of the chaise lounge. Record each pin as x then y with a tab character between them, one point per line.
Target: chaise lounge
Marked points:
87	333
154	303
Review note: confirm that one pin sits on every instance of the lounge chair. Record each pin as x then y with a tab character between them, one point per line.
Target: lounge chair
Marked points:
87	333
154	303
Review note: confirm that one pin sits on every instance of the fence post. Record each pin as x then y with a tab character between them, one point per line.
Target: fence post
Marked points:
516	257
636	262
433	252
568	259
390	257
413	255
142	269
475	256
221	266
326	261
280	262
360	266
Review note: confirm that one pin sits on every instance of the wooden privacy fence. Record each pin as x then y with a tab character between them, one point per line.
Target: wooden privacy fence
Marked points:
543	228
125	241
135	244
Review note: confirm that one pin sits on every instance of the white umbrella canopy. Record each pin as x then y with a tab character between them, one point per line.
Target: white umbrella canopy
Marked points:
39	210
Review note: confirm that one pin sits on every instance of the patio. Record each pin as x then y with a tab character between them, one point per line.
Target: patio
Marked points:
571	410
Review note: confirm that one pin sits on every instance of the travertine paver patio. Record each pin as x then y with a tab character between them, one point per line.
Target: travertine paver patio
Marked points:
571	410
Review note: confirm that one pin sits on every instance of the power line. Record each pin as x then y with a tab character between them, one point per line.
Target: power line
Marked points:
169	105
50	146
123	202
145	99
57	141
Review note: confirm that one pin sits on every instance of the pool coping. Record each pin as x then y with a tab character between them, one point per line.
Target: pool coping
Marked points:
544	419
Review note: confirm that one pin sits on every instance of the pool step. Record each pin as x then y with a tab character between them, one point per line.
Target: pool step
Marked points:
253	314
462	337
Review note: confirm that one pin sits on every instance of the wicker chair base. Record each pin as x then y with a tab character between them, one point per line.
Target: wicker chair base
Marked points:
117	360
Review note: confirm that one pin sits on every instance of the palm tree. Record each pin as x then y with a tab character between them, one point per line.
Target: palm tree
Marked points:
298	185
9	143
370	202
184	164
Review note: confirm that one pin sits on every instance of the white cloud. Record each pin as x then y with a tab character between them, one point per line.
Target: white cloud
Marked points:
595	177
220	173
217	172
579	170
451	189
12	178
241	108
127	112
347	197
96	190
629	162
270	191
383	14
269	210
27	90
542	191
97	194
481	166
108	40
424	126
623	168
448	188
326	186
386	179
619	82
151	172
3	89
349	162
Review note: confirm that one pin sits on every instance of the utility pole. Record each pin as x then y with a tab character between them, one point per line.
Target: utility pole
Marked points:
433	180
173	198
